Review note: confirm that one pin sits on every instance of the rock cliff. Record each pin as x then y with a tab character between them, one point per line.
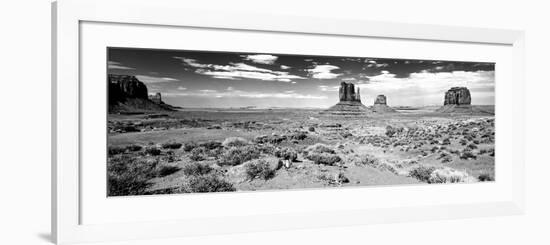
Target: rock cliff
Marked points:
381	106
350	101
457	96
129	95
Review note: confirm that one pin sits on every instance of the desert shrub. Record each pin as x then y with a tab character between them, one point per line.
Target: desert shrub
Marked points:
271	139
166	170
127	176
319	148
133	147
471	146
195	169
324	158
422	173
287	154
311	129
187	147
198	154
114	150
171	145
207	183
346	134
153	151
447	175
337	179
463	141
372	161
446	141
467	154
259	169
392	131
486	177
300	135
237	155
235	141
211	145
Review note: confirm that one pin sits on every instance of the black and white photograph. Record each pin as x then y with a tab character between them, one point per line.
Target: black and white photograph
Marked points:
182	121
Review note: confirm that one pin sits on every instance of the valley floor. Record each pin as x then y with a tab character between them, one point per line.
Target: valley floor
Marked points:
245	150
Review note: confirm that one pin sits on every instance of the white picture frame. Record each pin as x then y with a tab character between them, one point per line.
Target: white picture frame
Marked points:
67	17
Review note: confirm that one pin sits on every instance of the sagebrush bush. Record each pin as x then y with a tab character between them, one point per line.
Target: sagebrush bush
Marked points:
195	169
128	176
235	142
300	135
467	154
171	145
188	146
259	169
133	147
198	154
211	145
486	177
324	158
238	155
207	183
114	150
447	175
319	148
311	129
422	173
153	151
165	170
286	154
372	161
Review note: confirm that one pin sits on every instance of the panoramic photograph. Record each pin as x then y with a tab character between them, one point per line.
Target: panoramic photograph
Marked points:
183	121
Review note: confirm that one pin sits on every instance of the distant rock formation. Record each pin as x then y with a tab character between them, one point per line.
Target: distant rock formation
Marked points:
380	100
380	105
129	95
457	100
458	96
350	101
156	98
347	92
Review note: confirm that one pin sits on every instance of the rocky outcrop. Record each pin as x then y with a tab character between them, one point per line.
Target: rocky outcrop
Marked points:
129	95
122	87
350	101
459	100
347	92
457	96
380	105
156	98
380	100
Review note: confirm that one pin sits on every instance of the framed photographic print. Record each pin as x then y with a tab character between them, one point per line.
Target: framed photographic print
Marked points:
172	125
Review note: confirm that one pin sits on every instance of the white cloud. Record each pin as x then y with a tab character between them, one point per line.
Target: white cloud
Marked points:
236	71
325	88
285	67
151	79
424	88
118	65
265	59
245	94
182	88
324	72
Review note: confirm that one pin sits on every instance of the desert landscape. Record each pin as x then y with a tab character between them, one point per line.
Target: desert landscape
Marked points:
157	148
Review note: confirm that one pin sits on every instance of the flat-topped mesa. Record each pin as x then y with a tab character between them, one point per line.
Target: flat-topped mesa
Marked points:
457	100
347	92
380	100
350	101
129	95
380	105
457	96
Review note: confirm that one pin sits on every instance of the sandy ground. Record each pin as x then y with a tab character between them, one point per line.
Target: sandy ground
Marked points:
453	144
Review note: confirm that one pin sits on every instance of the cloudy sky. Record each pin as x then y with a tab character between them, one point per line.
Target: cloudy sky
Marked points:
222	79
